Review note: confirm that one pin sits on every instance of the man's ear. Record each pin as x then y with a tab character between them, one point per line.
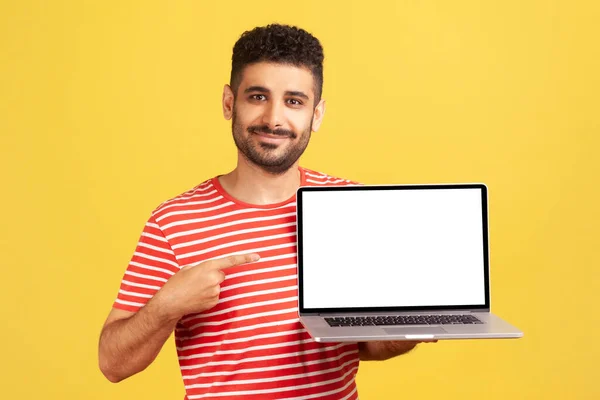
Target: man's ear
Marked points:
228	100
318	115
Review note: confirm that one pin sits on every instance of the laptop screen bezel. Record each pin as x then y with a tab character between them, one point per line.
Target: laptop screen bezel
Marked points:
299	241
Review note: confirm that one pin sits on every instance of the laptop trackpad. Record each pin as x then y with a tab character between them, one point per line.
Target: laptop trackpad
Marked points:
425	330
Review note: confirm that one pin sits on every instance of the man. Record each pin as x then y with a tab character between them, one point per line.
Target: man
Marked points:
217	264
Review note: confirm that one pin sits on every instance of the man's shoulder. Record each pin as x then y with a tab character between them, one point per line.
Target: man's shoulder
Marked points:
203	193
315	178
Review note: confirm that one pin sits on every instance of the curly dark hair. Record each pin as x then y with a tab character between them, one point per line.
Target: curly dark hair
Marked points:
277	43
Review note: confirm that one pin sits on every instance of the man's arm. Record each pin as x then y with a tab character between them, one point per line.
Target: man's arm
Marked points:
383	350
130	342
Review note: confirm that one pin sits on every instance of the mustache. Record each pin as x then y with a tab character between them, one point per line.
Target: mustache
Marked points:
267	130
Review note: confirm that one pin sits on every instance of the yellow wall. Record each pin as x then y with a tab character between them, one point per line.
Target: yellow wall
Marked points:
109	108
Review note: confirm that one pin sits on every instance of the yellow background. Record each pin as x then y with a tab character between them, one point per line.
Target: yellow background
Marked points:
109	108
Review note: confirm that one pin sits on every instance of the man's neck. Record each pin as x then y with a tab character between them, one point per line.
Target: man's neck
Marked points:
251	184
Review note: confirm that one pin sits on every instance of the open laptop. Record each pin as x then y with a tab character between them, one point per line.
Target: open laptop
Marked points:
395	262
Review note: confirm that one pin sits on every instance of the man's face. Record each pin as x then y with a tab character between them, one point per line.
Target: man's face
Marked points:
273	115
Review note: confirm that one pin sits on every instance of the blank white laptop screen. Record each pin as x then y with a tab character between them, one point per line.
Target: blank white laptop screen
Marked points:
392	248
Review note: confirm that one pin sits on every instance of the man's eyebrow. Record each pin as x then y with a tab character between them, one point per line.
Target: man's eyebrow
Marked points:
260	89
297	94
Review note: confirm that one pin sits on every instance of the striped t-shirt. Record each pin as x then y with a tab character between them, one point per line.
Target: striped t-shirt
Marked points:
251	345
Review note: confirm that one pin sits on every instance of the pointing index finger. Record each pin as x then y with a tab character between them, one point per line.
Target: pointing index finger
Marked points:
234	260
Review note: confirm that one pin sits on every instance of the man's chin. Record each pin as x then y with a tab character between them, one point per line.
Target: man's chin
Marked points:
268	146
274	169
272	166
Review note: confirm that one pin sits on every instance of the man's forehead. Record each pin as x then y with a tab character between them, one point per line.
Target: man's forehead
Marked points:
277	77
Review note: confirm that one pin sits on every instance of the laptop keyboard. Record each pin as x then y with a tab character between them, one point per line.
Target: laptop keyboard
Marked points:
443	319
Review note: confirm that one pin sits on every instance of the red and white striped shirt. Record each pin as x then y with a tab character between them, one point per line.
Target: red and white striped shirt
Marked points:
251	345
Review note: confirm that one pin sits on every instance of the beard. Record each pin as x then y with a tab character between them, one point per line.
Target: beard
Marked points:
266	155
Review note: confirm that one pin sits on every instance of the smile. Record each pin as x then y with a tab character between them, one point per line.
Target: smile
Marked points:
271	138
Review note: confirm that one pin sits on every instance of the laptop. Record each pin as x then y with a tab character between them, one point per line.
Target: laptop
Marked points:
395	262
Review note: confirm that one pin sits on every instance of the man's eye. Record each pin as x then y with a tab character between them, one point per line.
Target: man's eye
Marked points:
258	97
294	102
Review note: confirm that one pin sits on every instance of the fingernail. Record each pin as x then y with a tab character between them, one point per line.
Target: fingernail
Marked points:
255	257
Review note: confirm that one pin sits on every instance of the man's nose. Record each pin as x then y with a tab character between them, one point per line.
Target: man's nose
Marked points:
273	115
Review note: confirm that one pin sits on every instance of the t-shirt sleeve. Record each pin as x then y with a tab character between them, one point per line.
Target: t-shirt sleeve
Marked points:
152	264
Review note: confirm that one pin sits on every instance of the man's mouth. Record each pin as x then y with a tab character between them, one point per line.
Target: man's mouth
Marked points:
272	135
269	134
271	138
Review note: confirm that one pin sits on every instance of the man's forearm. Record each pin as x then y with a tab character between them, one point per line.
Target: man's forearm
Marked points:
383	350
128	346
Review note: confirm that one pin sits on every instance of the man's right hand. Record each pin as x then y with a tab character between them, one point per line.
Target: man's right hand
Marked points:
196	288
129	341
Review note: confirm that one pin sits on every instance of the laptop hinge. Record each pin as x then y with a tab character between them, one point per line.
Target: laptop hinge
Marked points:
307	314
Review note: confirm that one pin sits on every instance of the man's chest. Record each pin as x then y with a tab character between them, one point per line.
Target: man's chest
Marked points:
252	293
